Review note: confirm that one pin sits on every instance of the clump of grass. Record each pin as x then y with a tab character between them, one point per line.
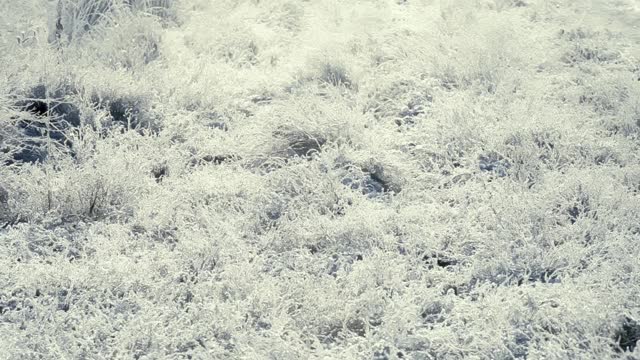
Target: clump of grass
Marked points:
499	224
403	101
302	134
298	143
80	187
163	9
578	34
226	42
335	74
134	43
241	53
6	213
443	156
588	46
609	96
327	74
285	15
531	153
74	19
477	60
577	206
616	100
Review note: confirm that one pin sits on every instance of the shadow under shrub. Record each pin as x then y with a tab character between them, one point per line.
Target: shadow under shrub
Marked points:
56	102
40	123
628	335
131	111
372	180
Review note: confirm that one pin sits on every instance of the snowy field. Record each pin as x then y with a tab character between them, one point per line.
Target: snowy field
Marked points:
320	179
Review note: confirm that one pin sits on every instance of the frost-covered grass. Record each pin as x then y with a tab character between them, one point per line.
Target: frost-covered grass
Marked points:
371	179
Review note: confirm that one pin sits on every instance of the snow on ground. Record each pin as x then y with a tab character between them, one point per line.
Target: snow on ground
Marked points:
372	179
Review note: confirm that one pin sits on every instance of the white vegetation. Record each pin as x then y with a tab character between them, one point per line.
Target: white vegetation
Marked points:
371	179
